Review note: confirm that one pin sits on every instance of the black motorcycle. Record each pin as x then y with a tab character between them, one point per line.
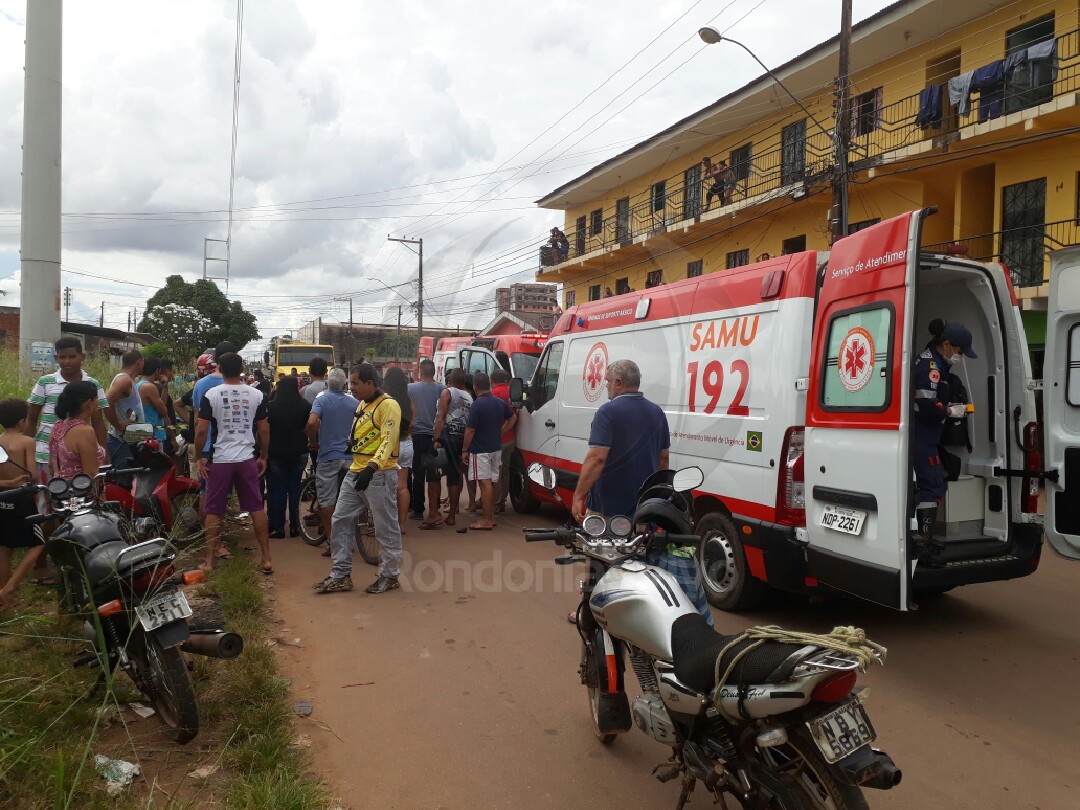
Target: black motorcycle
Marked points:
129	598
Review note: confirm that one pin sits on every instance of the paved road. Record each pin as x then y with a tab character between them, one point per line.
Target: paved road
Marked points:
467	693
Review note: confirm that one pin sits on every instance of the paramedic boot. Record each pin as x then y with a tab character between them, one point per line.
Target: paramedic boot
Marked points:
926	549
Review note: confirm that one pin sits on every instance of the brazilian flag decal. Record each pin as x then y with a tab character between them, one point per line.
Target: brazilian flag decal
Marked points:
753	441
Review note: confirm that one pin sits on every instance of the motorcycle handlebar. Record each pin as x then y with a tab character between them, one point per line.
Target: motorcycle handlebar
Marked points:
11	495
129	471
538	535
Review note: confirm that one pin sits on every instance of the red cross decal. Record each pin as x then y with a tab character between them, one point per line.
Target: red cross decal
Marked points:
855	358
595	373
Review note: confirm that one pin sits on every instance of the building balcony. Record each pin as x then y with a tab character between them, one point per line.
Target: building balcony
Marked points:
795	169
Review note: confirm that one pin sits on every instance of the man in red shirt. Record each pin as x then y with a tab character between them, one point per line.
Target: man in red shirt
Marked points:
500	387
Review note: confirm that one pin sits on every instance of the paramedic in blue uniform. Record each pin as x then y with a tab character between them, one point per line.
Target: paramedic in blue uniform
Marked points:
948	342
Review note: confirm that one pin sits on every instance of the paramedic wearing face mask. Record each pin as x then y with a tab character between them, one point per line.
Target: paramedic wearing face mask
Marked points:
948	342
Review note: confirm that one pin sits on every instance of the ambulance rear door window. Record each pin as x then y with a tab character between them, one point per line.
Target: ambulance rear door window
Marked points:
858	367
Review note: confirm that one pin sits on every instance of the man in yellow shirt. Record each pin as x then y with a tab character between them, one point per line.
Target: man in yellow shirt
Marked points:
371	483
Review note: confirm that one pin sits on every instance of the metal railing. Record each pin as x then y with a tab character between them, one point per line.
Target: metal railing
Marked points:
1025	250
777	170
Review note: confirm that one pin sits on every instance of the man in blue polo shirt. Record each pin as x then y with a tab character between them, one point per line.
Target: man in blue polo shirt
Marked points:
629	441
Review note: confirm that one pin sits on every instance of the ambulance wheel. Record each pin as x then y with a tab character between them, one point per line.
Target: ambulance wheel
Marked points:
729	585
520	494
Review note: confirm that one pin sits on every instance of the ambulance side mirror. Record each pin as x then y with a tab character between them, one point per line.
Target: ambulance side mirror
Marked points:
518	390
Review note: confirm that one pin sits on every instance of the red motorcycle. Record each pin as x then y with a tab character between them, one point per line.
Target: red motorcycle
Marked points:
158	499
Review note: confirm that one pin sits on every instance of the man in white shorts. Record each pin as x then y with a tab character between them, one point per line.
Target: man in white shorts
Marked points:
489	418
329	428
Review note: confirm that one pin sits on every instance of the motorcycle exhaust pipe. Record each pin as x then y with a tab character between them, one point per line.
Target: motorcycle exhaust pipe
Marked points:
213	644
887	776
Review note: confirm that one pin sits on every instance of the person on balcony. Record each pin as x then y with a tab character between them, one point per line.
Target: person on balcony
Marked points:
560	244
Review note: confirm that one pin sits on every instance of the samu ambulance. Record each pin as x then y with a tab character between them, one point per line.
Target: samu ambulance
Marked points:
789	383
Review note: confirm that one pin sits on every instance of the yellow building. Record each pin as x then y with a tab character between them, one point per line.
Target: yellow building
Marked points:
967	105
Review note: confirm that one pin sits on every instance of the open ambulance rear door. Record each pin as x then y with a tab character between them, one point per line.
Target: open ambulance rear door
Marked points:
1061	403
857	466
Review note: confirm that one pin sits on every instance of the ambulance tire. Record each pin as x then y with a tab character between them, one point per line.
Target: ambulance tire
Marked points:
729	585
520	495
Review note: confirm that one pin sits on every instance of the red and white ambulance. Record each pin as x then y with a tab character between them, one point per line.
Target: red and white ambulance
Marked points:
788	382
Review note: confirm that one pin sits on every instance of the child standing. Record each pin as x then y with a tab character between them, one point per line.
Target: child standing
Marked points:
14	531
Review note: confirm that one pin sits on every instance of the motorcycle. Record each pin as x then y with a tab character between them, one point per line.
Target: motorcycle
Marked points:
157	498
129	599
777	726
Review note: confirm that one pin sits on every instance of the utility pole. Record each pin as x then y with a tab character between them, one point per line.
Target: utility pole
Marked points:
39	320
397	339
101	317
842	129
420	284
67	303
350	343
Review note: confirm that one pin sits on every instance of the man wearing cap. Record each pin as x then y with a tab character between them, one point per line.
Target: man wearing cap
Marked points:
932	405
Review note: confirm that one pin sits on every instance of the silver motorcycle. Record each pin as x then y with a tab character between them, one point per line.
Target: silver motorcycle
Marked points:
774	725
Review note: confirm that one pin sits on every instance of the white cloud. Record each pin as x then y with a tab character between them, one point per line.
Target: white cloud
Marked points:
342	99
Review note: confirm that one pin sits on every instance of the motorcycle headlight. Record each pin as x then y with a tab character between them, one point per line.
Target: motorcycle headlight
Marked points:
593	525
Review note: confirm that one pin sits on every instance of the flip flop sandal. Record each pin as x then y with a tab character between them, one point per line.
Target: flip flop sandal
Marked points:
326	552
477	528
431	526
45	582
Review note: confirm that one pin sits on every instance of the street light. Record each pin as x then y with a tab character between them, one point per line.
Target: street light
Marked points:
710	36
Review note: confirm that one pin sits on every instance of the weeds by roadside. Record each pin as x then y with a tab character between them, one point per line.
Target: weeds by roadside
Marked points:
51	728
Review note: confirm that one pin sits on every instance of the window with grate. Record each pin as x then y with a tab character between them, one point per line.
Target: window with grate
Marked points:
1023	225
740	161
594	292
571	298
622	220
737	258
596	222
866	112
1031	82
694	269
659	196
796	244
579	235
793	153
692	191
622	285
654	278
855	227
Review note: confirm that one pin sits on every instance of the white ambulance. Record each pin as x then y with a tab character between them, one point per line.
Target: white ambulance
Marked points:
789	383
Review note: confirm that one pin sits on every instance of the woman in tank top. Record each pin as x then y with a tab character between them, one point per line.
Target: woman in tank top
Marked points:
73	445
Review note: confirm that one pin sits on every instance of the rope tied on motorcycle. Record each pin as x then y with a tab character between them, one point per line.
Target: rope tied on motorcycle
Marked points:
848	640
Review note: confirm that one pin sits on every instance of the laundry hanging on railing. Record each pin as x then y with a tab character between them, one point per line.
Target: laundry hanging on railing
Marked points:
989	82
960	92
929	114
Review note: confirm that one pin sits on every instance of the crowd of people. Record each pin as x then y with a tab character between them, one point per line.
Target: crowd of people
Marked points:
385	446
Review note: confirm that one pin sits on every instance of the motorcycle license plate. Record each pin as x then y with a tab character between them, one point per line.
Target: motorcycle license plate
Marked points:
162	609
842	731
848	521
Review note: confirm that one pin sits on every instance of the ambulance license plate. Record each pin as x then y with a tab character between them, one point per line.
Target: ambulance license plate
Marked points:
163	609
848	521
842	731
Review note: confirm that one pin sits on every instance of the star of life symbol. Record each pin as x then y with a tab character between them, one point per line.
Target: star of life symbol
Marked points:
856	360
593	376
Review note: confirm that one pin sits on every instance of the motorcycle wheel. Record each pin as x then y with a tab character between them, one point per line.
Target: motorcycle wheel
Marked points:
520	495
186	526
310	527
172	696
794	776
592	671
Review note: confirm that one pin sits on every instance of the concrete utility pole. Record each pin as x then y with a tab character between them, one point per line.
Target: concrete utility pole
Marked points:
350	325
39	320
420	284
67	303
397	339
842	129
101	318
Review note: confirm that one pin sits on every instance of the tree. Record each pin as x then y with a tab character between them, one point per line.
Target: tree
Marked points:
406	345
228	319
182	329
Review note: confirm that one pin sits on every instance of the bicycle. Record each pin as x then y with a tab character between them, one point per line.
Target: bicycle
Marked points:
311	528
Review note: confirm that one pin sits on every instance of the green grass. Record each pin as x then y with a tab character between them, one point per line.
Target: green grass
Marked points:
50	728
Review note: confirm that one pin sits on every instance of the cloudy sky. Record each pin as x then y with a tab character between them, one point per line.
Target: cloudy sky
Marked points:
442	119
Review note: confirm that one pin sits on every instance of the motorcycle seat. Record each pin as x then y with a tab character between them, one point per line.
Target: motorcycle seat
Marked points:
695	647
105	560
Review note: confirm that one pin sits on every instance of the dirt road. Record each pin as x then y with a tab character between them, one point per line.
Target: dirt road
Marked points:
461	689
